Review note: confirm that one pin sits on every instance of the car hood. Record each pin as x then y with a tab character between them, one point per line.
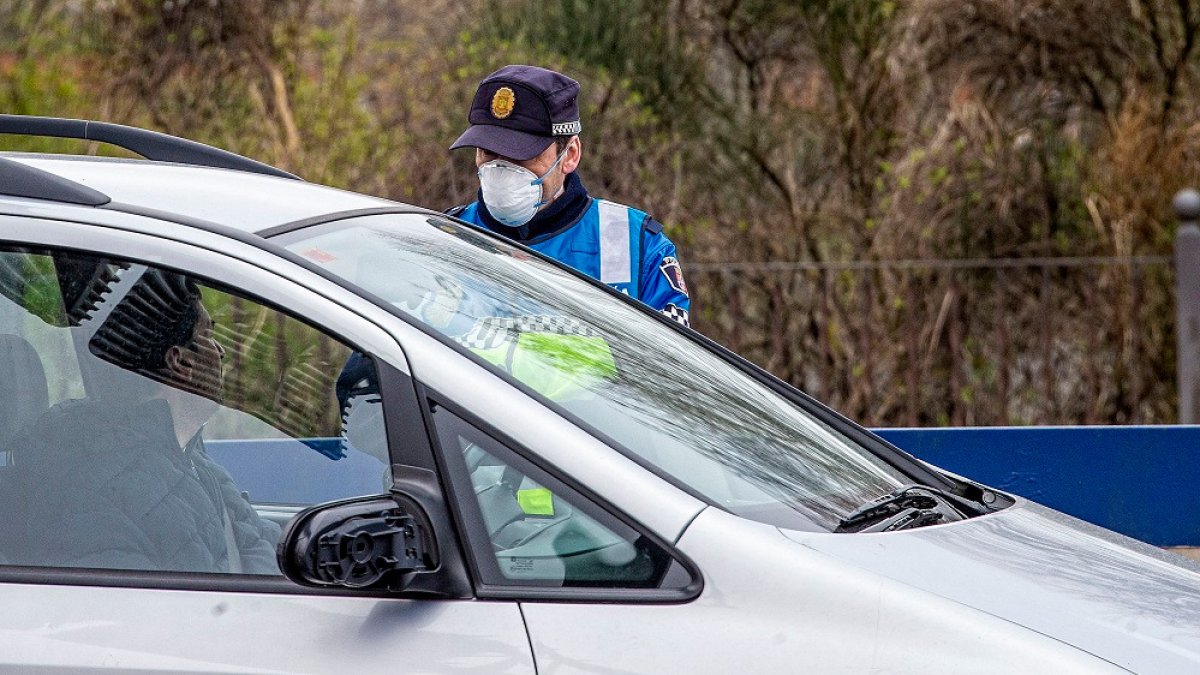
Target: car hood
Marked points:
1119	599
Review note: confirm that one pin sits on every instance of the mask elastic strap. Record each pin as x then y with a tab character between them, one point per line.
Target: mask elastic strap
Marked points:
544	202
540	179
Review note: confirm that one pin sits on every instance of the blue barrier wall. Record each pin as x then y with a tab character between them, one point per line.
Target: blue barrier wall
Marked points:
1140	481
319	469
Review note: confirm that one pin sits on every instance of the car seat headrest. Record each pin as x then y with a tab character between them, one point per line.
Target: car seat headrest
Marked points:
23	390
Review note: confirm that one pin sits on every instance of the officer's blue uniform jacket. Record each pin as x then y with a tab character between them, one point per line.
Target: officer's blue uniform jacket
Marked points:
616	244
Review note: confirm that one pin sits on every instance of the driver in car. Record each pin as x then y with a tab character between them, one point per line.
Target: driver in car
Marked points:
123	480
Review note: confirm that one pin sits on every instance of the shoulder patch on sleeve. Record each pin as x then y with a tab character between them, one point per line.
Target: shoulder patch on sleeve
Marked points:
652	226
674	274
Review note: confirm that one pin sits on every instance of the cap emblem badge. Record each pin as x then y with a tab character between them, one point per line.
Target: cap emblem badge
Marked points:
503	102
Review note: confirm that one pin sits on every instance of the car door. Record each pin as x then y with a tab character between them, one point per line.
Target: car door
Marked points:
168	407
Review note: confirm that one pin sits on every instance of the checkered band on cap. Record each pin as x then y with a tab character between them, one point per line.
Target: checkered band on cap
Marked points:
567	128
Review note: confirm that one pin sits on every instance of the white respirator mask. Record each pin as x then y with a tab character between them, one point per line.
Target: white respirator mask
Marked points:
513	194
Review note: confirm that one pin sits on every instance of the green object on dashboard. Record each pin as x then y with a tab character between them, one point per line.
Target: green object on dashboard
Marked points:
536	501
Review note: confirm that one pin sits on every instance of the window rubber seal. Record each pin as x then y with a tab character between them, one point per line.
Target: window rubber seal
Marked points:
170	581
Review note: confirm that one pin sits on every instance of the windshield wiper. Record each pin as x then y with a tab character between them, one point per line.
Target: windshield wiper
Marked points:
907	507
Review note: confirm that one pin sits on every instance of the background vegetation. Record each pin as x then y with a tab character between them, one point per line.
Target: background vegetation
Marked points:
834	171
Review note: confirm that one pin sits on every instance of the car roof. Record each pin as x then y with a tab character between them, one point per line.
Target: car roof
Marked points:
240	199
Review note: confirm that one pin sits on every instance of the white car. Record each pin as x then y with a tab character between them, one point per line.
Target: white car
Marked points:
253	424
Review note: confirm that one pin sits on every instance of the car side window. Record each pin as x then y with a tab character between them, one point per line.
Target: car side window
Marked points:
161	422
528	529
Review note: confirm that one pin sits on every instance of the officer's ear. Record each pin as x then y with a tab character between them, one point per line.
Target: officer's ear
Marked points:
573	153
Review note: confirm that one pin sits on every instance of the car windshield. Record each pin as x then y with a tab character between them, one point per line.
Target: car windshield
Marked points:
679	407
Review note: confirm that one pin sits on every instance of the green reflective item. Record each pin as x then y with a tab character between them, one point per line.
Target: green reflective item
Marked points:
574	354
559	367
536	501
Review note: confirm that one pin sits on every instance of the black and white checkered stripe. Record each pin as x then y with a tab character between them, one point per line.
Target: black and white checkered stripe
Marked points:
566	128
676	314
490	332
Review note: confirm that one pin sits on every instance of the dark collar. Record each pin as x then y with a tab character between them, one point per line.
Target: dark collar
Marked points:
558	216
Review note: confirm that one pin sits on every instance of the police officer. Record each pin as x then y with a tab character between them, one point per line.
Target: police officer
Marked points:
525	130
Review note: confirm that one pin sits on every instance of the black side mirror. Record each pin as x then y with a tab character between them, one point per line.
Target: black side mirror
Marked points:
366	542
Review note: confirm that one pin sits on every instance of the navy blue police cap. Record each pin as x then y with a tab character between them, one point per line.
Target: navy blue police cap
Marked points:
519	110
